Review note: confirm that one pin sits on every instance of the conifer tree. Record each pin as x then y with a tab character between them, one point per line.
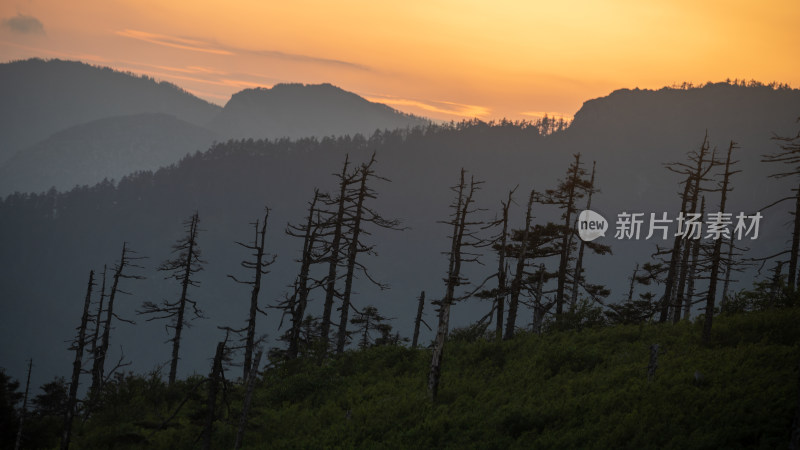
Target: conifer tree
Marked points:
181	268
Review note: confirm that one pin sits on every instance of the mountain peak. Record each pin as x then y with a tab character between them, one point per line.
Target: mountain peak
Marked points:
297	110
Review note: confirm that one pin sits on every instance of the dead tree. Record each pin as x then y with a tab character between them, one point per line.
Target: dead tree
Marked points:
501	245
729	267
215	377
692	274
789	154
565	196
633	281
259	267
540	307
419	320
98	317
686	248
334	250
126	260
516	283
298	302
462	209
24	411
576	276
77	364
716	256
248	397
359	215
694	180
182	268
695	171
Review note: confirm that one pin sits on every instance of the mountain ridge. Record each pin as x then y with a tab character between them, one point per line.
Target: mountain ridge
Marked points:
46	100
41	97
297	110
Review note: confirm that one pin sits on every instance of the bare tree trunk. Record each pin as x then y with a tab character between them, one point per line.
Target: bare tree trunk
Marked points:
715	259
516	284
795	244
100	358
459	223
333	263
185	282
687	246
776	282
565	241
728	270
672	272
579	262
633	280
418	320
692	275
97	319
76	366
694	175
539	308
259	271
24	411
299	311
352	252
248	397
500	300
213	388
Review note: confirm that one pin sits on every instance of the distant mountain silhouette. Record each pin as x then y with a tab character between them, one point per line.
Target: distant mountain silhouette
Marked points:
305	110
39	98
629	127
105	148
52	113
644	111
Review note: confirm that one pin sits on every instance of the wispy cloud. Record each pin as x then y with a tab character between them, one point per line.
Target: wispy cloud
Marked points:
174	42
439	107
201	74
23	24
308	59
198	45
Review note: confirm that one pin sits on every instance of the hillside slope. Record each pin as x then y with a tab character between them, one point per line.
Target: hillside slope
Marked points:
105	148
41	97
569	389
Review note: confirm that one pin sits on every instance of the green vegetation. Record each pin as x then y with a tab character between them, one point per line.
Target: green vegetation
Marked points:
585	388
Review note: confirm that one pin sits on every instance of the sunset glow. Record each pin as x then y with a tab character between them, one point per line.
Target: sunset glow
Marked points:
442	59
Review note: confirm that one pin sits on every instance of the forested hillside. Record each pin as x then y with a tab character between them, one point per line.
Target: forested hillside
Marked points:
589	387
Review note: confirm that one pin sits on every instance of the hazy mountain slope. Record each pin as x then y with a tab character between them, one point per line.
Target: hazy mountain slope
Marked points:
50	241
41	102
105	148
39	98
297	110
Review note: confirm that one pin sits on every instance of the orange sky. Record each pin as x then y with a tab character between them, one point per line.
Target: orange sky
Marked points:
439	58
